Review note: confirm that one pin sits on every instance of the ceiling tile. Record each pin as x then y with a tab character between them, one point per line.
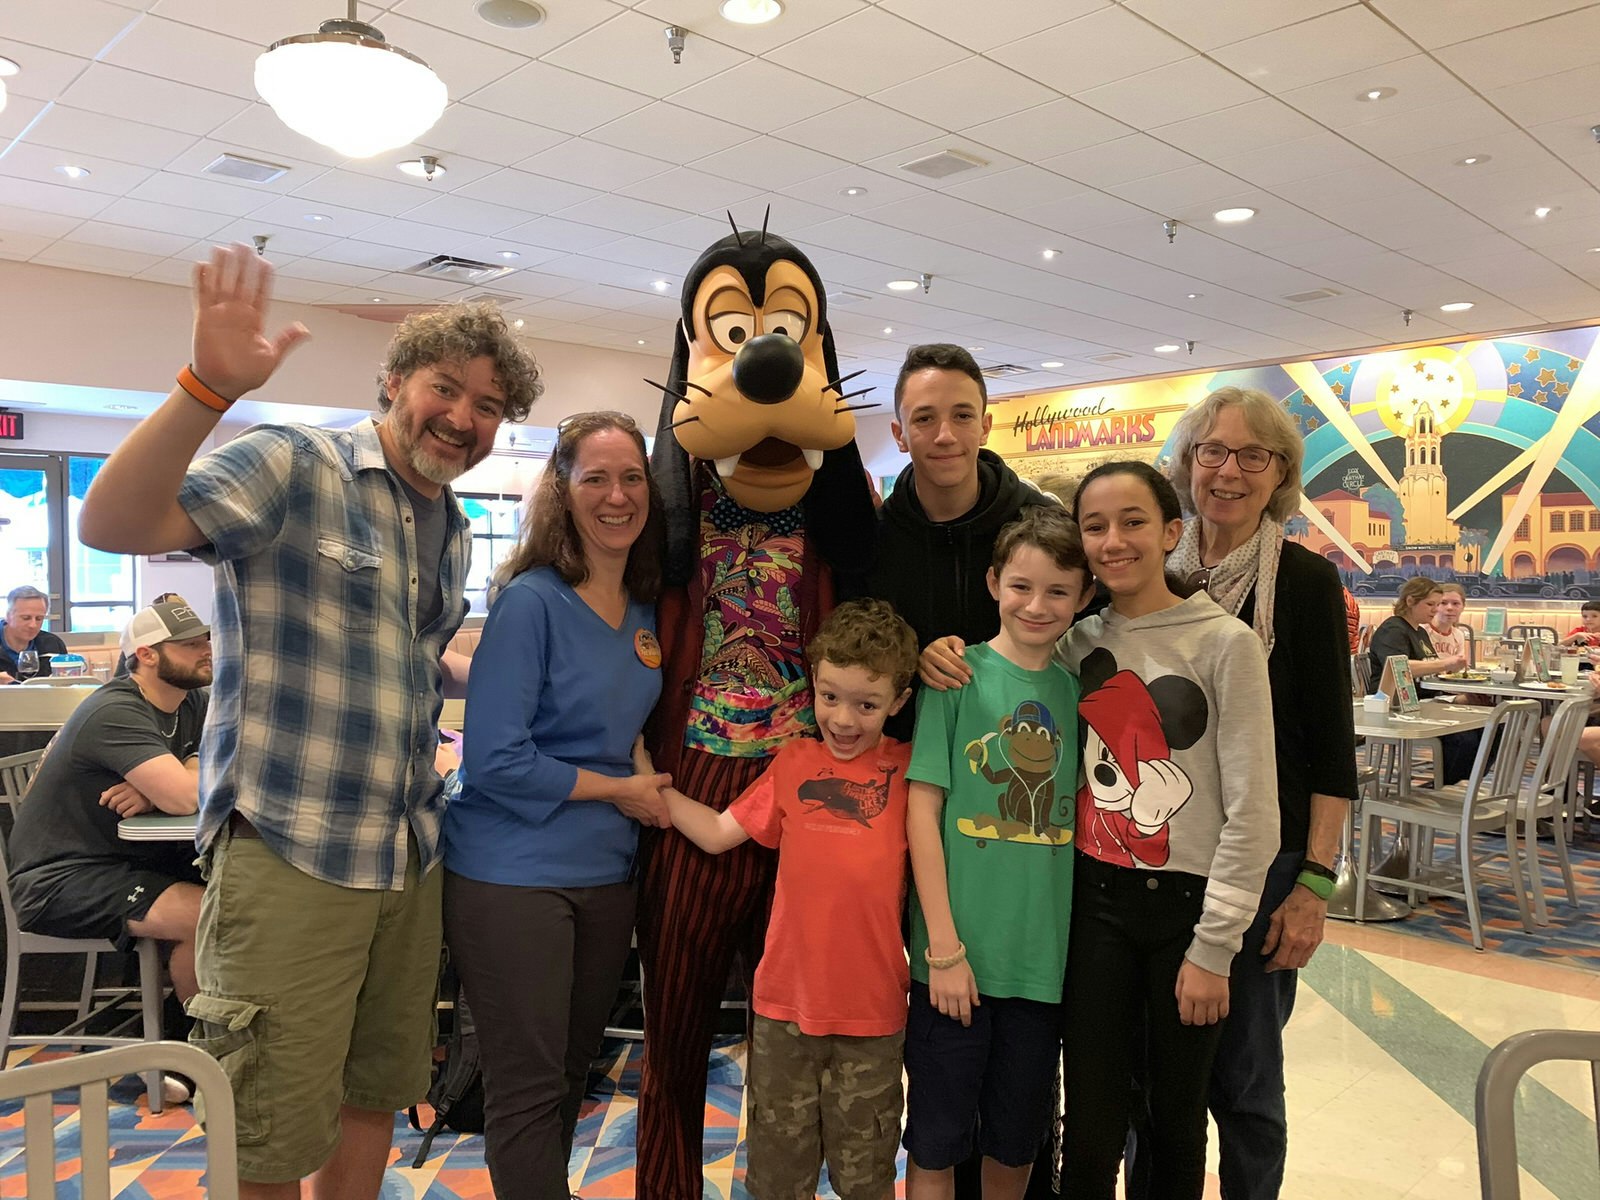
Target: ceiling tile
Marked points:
1190	85
292	211
667	131
1238	130
1340	103
960	23
1072	57
45	73
692	233
100	259
1528	51
27	161
530	193
488	136
1304	158
200	57
258	24
20	247
466	214
190	223
631	46
1574	94
556	233
17	115
171	105
654	259
1059	127
1134	157
48	225
462	64
768	163
971	91
689	190
620	213
1016	188
1089	210
80	27
850	53
1350	39
490	249
930	213
893	164
562	22
1440	124
79	132
563	100
283	241
426	240
1432	25
123	237
593	165
761	95
859	131
1208	26
258	133
351	190
369	254
1177	191
703	16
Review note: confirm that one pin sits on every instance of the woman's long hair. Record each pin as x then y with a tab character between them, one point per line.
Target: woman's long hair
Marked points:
549	537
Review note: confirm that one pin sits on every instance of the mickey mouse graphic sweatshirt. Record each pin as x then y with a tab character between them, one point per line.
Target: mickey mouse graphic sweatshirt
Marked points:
1178	771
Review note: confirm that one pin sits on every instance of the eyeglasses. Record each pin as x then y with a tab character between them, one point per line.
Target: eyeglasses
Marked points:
587	421
1251	459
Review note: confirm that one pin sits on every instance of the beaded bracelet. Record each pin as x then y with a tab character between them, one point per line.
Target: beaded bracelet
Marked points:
949	960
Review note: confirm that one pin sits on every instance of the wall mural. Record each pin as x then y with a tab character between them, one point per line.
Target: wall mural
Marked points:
1474	461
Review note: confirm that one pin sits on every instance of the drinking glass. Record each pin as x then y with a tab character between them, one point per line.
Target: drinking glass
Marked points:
27	664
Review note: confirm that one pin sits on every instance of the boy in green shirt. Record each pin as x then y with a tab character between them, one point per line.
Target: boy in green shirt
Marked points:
994	768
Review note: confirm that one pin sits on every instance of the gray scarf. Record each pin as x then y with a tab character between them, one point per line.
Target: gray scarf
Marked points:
1252	566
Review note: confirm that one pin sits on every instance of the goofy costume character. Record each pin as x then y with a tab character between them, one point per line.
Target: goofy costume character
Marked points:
769	517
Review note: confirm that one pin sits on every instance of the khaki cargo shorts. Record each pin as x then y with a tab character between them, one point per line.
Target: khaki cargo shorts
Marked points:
813	1098
312	996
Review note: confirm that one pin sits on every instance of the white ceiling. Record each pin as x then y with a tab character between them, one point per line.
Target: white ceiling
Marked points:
580	146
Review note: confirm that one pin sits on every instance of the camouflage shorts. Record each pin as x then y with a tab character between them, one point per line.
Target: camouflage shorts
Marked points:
813	1097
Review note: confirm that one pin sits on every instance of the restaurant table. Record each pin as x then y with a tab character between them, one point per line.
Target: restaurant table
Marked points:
158	827
1433	719
1510	691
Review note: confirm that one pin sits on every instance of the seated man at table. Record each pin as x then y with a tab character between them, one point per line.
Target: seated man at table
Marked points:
131	748
23	629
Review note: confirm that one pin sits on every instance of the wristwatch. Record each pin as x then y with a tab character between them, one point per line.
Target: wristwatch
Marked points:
1316	879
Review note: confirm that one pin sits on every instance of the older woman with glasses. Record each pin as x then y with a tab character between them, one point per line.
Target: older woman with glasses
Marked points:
540	846
1236	465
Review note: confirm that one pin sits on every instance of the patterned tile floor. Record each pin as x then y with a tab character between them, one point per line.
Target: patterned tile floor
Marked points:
1390	1029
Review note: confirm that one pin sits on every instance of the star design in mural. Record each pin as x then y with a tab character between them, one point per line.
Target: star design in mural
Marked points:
1444	403
1541	398
1514	389
1563	388
1533	354
1394	387
1345	368
1449	378
1429	376
1312	423
1513	368
1419	368
1336	388
1546	376
1573	364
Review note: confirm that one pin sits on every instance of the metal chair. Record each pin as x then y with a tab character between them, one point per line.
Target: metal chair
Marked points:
1487	802
1521	633
1496	1105
1551	795
1360	674
36	1083
16	772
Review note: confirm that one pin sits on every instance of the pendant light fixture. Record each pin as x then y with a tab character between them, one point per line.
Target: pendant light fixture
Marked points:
348	89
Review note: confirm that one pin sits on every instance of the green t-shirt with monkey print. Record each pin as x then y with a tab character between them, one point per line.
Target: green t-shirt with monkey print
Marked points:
1005	750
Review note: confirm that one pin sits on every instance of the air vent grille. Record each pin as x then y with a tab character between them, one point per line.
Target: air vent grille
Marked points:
251	170
460	270
503	299
1003	371
943	164
1114	356
1322	293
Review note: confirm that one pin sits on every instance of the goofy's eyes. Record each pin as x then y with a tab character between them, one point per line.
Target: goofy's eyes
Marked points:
731	330
787	322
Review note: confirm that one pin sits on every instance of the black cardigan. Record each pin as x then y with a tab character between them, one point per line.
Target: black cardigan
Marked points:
1309	672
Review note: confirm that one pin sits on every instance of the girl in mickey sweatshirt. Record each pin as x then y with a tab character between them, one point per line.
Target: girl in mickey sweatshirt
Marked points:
1177	822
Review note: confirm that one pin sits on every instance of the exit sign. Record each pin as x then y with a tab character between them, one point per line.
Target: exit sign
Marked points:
10	427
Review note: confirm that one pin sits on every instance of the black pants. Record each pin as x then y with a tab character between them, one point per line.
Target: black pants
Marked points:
1130	929
541	968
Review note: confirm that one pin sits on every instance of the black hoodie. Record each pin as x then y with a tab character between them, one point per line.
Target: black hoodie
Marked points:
933	572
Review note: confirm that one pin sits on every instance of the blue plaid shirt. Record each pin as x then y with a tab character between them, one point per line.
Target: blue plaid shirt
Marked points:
322	729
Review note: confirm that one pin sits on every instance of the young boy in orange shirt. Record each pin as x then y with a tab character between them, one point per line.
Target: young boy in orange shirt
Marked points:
830	993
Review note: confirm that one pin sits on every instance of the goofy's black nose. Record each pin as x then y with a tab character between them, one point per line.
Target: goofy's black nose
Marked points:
768	368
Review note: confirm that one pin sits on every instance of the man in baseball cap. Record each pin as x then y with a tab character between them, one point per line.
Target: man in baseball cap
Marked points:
168	622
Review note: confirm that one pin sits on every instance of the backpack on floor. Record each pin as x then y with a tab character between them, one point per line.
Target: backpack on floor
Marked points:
456	1095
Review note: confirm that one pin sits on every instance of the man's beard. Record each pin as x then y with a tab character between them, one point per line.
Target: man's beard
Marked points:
185	678
431	468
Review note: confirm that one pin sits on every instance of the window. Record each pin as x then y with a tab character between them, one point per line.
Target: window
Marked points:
100	586
1575	522
494	535
1522	530
1594	520
1558	522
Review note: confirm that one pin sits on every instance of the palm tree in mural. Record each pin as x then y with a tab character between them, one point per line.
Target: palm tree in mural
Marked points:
1297	526
1472	542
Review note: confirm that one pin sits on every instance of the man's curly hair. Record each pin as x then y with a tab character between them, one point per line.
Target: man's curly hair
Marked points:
459	333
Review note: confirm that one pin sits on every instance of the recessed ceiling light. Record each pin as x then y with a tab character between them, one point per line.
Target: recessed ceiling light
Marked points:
1473	160
902	285
853	191
8	66
508	255
974	349
73	171
640	342
661	285
122	407
888	328
510	14
518	323
316	217
1169	348
1051	366
1544	210
427	167
1457	306
750	12
1232	216
1194	295
377	299
1048	254
1382	93
1593	250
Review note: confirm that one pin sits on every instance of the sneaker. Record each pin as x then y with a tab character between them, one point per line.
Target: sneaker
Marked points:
176	1090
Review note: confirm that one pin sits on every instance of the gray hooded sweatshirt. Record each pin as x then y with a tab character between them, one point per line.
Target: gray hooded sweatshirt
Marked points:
1178	762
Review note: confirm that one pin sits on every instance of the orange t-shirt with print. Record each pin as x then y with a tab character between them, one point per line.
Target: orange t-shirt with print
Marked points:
835	961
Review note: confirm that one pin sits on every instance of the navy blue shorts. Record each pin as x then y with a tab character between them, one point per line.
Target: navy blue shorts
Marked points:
985	1085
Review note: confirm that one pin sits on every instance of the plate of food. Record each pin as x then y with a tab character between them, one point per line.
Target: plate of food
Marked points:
1466	676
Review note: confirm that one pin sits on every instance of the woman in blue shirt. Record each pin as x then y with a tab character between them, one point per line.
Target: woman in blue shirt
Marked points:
540	845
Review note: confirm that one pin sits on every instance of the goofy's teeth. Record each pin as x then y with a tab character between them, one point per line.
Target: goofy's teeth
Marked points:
813	459
727	466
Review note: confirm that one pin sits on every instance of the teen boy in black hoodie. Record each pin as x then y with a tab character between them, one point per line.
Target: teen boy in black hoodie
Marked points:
936	530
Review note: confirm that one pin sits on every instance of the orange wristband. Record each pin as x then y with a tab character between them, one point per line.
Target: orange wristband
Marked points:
190	383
